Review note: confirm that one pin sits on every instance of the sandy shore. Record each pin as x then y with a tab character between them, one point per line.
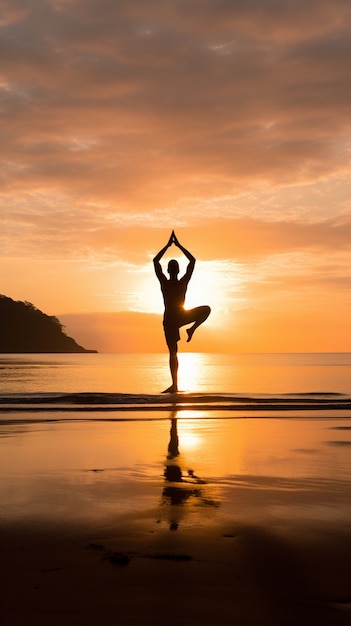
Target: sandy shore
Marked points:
200	522
226	574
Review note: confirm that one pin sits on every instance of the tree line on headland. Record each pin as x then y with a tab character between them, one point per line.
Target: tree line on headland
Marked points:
24	328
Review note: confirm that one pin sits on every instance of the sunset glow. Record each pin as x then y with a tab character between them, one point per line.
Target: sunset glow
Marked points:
190	367
228	122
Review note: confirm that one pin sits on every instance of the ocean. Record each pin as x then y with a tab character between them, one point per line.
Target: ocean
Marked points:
290	373
298	384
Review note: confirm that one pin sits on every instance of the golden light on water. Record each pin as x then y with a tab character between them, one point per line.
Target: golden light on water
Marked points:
190	436
189	440
190	368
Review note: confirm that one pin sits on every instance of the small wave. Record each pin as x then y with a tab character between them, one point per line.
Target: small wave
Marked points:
95	401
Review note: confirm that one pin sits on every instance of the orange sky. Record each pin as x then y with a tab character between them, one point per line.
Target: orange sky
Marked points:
228	121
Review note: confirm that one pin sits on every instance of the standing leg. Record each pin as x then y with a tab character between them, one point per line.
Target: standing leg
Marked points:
173	366
198	315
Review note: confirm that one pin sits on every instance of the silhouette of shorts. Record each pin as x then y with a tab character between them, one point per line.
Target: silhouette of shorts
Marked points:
172	323
171	327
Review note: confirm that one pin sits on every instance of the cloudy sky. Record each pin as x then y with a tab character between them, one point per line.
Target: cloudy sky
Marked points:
227	120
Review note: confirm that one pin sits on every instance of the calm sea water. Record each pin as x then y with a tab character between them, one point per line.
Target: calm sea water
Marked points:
198	372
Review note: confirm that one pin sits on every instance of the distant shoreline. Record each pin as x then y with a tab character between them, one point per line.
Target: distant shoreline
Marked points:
30	331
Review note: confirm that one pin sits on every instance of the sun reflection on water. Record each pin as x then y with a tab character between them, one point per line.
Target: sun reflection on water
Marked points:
190	439
191	365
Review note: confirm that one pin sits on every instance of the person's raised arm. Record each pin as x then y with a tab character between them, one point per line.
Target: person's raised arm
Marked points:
189	256
157	265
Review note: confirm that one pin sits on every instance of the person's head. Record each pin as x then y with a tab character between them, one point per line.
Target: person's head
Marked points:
173	268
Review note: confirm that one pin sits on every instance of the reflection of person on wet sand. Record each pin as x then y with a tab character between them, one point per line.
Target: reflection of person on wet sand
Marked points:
175	316
173	446
181	489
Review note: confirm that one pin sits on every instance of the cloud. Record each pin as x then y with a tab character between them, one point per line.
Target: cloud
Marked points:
252	238
96	236
140	105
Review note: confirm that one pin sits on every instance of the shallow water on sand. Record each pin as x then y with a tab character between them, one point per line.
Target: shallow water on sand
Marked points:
178	470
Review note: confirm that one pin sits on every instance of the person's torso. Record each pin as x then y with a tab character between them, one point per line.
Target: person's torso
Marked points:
174	295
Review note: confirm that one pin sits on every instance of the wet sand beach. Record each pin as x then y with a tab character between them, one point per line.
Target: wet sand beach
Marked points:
179	517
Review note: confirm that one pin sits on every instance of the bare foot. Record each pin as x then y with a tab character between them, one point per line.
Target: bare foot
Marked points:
171	389
190	334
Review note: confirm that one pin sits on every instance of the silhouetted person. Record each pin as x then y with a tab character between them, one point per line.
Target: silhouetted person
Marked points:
173	446
175	316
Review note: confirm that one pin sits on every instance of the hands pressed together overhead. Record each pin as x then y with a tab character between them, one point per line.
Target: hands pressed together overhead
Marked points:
173	239
159	255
